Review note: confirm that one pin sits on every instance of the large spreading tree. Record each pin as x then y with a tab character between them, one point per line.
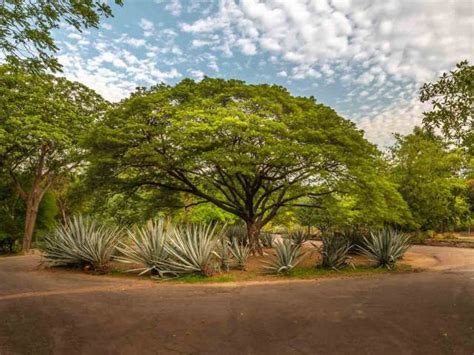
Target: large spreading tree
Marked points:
452	99
25	28
42	121
248	149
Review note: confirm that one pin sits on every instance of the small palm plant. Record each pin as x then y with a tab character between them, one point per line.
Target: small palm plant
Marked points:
385	247
82	242
192	249
146	247
335	252
241	254
287	255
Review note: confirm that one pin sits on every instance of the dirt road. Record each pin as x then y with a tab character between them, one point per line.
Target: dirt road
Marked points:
430	312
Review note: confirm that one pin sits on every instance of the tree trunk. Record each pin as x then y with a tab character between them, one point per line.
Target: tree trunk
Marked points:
253	232
32	206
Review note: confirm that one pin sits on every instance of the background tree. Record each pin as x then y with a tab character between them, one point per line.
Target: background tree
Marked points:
42	118
248	149
25	28
429	179
452	99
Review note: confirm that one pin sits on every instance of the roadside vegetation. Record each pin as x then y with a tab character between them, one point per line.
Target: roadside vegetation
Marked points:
202	178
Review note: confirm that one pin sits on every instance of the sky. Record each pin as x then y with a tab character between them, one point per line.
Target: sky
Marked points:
366	59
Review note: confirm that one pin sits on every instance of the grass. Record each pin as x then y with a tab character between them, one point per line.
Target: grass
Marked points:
298	273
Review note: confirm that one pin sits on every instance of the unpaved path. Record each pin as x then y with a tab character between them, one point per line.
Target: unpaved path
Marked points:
56	312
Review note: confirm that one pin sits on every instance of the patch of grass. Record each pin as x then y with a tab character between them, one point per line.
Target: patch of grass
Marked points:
201	278
314	273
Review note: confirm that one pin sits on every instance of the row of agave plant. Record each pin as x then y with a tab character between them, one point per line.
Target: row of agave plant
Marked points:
167	250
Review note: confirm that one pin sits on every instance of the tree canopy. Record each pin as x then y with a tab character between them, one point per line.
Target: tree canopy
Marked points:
452	97
248	149
42	120
25	28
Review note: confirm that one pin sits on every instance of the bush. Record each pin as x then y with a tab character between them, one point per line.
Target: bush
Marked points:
192	249
81	242
287	256
335	252
146	247
355	237
385	247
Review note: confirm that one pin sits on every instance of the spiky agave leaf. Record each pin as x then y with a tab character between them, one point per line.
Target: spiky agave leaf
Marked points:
146	246
298	236
192	249
241	253
385	247
335	252
287	255
81	241
223	252
266	239
238	233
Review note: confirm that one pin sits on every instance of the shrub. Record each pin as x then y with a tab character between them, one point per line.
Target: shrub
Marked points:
385	247
146	247
241	254
81	242
335	252
355	236
287	255
192	249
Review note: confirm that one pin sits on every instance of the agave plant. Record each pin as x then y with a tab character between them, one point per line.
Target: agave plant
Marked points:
237	233
224	253
335	252
385	247
81	242
146	247
298	236
241	254
192	249
266	239
287	255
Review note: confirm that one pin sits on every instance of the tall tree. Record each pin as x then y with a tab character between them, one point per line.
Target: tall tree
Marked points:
42	119
25	28
428	174
248	149
452	97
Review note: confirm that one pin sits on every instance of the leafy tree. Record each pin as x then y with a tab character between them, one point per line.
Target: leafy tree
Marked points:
25	28
429	178
452	99
42	119
248	149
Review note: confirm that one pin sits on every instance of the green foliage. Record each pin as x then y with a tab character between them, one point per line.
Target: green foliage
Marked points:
248	149
224	254
238	234
81	242
25	28
386	247
428	175
335	252
287	256
146	246
298	236
452	97
267	239
240	253
192	249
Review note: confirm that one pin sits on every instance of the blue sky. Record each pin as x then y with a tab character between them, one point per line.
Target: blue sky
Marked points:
364	58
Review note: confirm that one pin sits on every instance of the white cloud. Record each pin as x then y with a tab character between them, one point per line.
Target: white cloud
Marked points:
174	7
198	75
360	43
